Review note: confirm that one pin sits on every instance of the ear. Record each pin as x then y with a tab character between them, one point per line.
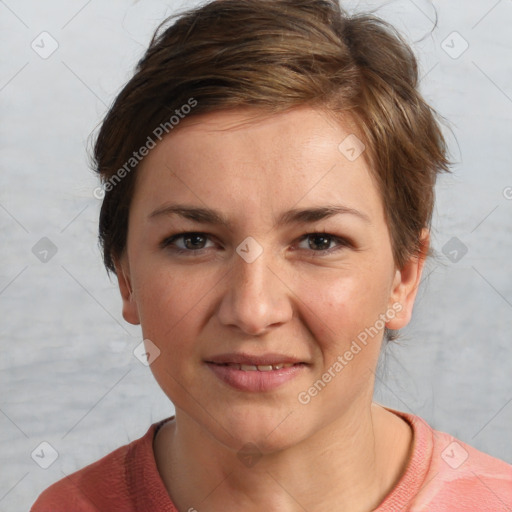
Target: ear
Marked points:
130	310
406	284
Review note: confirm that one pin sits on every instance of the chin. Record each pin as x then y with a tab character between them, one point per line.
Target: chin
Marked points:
270	432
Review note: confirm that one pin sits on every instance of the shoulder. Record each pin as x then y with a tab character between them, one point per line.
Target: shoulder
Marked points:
462	478
476	480
106	484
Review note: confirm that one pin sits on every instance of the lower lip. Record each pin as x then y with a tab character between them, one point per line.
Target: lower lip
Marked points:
256	381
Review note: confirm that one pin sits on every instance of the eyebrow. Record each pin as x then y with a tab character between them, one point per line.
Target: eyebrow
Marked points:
295	216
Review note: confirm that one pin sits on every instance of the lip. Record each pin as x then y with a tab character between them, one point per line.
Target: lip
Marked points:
226	367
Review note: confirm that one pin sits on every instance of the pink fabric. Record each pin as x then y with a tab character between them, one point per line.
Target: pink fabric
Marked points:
443	475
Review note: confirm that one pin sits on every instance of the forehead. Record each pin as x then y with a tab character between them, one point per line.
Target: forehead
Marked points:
256	131
235	157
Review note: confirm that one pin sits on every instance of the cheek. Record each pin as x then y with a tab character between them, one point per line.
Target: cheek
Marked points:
171	307
168	303
341	305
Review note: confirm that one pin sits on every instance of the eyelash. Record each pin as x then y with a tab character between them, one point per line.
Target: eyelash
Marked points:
167	243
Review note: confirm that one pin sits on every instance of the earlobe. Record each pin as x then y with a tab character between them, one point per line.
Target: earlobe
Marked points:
130	310
406	284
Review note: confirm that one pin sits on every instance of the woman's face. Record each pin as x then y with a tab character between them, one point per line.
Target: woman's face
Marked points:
262	283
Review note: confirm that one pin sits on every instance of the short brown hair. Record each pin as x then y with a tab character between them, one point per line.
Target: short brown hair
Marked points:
275	55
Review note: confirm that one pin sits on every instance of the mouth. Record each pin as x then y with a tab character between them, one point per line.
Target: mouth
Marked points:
255	373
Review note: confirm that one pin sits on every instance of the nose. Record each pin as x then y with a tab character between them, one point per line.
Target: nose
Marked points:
255	296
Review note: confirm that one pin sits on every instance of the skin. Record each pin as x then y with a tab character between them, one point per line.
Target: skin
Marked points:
340	451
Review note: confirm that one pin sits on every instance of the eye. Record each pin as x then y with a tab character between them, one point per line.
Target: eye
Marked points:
195	244
189	242
320	243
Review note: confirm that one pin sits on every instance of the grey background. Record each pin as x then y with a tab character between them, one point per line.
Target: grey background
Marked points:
67	371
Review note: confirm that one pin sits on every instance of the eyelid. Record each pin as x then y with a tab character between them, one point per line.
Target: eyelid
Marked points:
342	242
167	241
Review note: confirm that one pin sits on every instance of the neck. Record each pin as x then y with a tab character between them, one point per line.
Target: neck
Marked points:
347	465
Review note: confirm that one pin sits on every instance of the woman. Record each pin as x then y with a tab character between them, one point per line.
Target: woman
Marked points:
268	178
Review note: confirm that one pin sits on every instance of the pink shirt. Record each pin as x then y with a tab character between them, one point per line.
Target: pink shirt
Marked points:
443	475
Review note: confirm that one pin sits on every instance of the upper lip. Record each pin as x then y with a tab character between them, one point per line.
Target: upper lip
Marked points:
256	360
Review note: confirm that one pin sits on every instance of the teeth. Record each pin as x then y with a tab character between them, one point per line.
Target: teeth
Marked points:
260	368
248	368
265	368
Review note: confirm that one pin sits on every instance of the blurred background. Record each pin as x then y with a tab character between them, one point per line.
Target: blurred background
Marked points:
68	373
